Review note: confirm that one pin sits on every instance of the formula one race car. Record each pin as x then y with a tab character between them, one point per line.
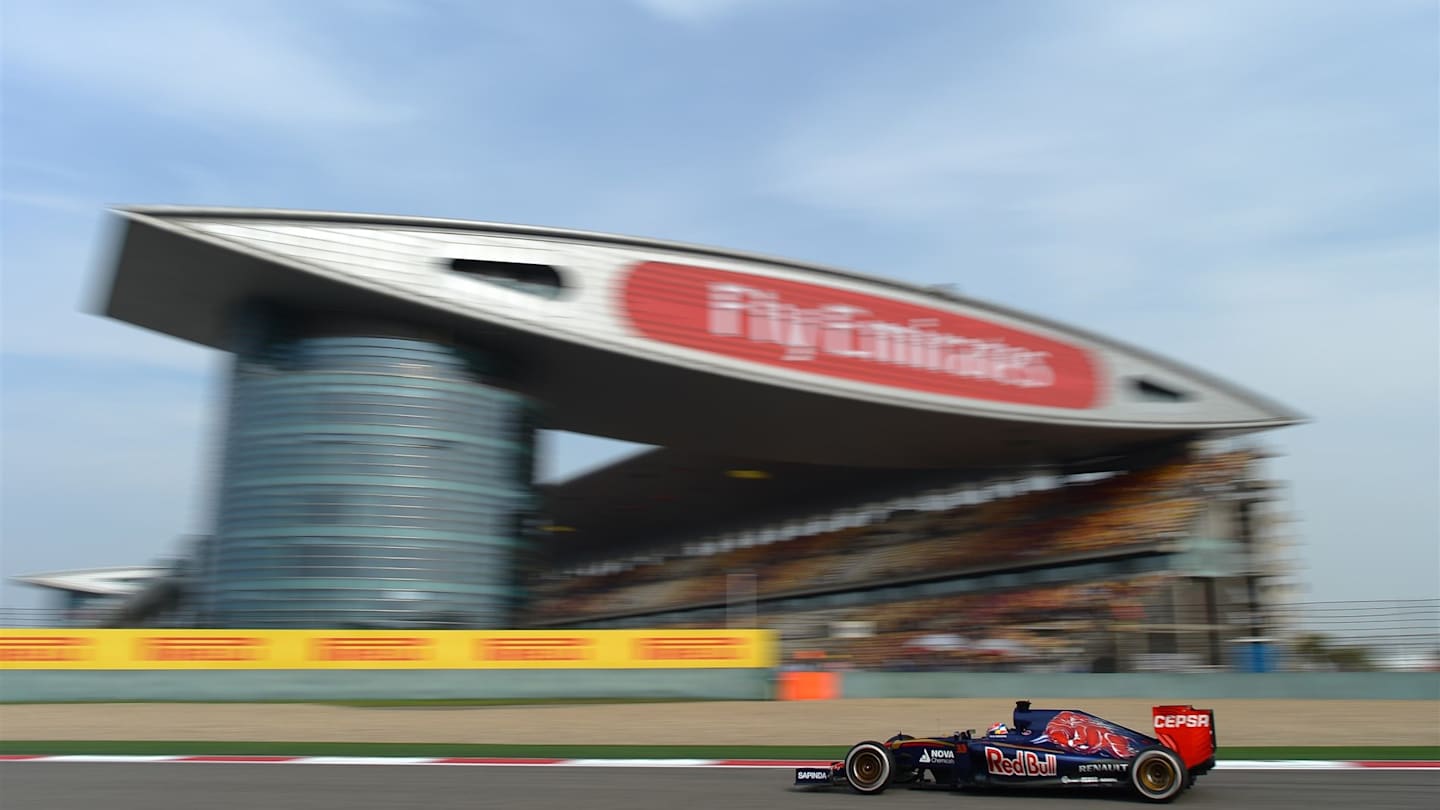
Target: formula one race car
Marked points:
1044	747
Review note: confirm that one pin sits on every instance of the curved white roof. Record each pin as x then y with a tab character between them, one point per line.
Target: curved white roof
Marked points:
686	346
98	581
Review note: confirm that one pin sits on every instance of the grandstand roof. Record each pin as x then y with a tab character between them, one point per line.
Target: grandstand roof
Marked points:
727	359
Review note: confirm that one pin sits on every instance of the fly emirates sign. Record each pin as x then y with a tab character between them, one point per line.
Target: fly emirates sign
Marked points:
854	336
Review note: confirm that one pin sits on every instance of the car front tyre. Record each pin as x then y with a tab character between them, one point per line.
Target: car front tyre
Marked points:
1158	774
869	767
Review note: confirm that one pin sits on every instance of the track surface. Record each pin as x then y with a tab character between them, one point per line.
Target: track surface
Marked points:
726	722
75	786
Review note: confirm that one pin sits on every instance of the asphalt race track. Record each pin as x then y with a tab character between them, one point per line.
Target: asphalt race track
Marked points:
96	786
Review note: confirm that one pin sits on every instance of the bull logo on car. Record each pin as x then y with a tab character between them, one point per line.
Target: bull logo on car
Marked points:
1083	734
1024	763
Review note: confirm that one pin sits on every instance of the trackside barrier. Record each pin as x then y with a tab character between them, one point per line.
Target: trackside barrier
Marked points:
160	649
701	684
807	685
1154	685
245	665
254	685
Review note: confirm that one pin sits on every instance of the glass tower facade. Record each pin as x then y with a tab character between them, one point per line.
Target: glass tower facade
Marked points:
374	475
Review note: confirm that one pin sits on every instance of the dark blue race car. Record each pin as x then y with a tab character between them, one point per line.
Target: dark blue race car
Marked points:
1044	747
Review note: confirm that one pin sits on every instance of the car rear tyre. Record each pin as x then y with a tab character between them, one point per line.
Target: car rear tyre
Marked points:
869	767
1158	774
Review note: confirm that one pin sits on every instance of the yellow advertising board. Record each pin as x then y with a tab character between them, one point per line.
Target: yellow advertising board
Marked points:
385	649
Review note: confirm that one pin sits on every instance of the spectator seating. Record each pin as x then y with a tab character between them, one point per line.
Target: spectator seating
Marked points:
1141	507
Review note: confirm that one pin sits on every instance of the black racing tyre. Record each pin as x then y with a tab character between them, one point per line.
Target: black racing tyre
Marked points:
1158	774
869	767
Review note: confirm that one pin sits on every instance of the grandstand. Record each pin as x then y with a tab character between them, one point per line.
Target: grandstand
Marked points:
1094	571
887	474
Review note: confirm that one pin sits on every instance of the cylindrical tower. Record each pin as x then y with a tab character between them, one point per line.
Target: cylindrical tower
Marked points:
375	475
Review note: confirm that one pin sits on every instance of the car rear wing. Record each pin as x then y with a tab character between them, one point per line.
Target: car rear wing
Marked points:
1189	732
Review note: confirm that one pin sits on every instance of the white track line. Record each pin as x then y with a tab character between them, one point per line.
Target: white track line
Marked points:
640	763
103	758
363	761
1282	765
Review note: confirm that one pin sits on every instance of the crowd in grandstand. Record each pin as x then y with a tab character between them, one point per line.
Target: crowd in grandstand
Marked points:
1039	625
1142	507
1044	627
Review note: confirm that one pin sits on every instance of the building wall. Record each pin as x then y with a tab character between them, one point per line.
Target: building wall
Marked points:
374	475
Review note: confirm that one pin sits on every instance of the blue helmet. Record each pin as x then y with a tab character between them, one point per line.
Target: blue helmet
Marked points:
998	730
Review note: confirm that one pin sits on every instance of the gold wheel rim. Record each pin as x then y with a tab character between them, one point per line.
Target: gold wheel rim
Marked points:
867	767
1157	775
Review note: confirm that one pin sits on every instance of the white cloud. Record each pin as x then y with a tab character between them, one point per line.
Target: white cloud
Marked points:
698	12
197	61
1072	155
1080	112
1321	331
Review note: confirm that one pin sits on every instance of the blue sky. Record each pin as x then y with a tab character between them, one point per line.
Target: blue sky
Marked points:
1249	187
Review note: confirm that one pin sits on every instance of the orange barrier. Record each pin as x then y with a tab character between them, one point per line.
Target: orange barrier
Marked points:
808	686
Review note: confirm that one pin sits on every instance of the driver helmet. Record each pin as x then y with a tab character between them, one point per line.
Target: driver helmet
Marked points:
998	730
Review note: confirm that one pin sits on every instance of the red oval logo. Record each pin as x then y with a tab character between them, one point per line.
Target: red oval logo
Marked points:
853	336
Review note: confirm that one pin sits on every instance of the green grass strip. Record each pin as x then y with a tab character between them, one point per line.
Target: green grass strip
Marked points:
560	751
